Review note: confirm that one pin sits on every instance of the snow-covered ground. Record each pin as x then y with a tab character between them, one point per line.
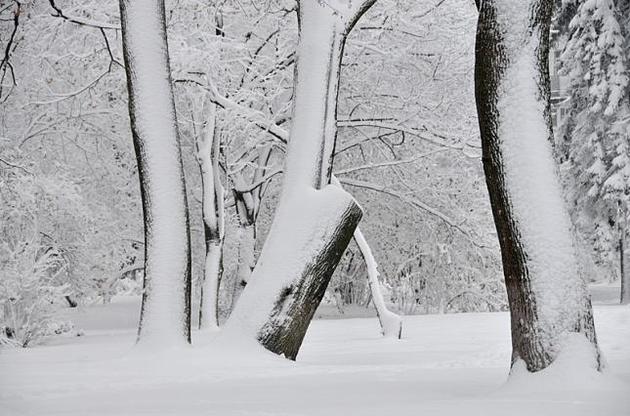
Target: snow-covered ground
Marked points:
445	365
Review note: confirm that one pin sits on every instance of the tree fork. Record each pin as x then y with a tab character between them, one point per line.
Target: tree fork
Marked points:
314	221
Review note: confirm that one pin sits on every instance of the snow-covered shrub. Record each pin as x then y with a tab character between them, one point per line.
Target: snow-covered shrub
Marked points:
34	265
29	293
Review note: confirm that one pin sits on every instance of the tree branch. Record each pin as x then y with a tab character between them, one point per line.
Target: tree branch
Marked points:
388	163
5	63
413	202
80	21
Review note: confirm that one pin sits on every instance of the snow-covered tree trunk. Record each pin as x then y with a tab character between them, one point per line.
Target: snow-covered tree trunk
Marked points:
548	298
208	151
624	276
391	323
625	290
165	315
314	221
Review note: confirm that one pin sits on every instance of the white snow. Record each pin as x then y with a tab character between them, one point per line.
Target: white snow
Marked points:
444	365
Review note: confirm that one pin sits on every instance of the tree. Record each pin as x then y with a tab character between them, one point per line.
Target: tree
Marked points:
165	313
314	221
208	149
548	298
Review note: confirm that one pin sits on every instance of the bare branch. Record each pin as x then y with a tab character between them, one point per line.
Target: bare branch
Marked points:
5	63
80	21
12	165
421	134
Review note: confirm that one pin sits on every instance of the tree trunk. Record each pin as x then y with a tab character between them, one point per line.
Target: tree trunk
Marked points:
625	280
314	221
548	299
213	270
208	151
165	314
246	259
245	206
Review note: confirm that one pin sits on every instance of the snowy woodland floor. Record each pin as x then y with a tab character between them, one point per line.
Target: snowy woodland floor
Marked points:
445	365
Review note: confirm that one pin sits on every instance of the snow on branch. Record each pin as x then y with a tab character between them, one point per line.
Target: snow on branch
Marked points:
259	119
253	116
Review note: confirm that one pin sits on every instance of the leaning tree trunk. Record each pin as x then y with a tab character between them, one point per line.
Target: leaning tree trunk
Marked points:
314	221
391	323
548	298
208	151
165	314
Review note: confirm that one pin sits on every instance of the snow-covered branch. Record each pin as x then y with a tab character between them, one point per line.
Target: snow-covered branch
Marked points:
411	201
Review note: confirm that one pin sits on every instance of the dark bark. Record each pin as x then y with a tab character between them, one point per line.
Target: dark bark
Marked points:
71	302
493	58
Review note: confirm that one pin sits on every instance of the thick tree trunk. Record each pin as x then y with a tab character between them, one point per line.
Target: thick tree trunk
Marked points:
314	221
548	299
165	315
208	151
300	255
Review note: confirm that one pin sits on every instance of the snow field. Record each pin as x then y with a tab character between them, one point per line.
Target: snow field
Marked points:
444	365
